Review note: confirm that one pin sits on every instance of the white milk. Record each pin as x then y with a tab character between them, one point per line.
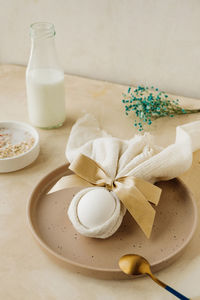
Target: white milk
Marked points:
46	97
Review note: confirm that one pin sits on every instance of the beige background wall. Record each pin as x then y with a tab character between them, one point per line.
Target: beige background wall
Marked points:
154	42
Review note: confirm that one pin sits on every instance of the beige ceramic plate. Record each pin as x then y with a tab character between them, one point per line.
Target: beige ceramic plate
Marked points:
175	222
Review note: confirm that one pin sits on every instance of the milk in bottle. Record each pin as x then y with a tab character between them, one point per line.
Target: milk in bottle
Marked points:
45	79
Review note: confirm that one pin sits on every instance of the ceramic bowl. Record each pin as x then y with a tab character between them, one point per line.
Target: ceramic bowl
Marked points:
10	164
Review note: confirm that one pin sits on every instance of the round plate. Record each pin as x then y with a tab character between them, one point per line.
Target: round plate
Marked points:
175	222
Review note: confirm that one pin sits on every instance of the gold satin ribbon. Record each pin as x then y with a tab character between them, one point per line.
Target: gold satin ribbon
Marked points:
134	193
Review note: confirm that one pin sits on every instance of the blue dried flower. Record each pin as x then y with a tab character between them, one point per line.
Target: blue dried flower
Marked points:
150	104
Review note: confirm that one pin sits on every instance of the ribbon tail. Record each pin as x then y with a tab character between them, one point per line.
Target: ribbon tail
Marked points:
137	205
150	191
69	182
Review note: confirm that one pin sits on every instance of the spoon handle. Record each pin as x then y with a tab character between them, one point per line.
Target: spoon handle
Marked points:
168	288
175	293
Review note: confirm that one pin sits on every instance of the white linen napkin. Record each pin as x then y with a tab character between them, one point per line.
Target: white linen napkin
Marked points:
138	157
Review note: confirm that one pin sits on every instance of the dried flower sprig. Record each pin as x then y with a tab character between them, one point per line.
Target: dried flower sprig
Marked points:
149	104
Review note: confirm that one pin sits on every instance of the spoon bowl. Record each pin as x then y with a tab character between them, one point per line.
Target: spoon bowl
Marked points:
133	264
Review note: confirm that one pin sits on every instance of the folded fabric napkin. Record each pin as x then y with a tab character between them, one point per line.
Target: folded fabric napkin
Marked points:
138	157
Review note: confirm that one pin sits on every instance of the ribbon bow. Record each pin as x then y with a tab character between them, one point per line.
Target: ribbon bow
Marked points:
134	193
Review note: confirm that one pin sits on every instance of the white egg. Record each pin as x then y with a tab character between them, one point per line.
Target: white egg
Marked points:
95	207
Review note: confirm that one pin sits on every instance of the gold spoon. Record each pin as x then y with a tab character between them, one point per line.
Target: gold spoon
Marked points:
133	264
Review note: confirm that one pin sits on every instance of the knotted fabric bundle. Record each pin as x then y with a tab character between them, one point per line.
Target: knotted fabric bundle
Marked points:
133	192
129	161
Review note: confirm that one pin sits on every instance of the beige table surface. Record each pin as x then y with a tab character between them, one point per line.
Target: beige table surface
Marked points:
25	271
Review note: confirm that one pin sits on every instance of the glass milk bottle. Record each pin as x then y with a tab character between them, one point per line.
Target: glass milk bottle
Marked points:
45	79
